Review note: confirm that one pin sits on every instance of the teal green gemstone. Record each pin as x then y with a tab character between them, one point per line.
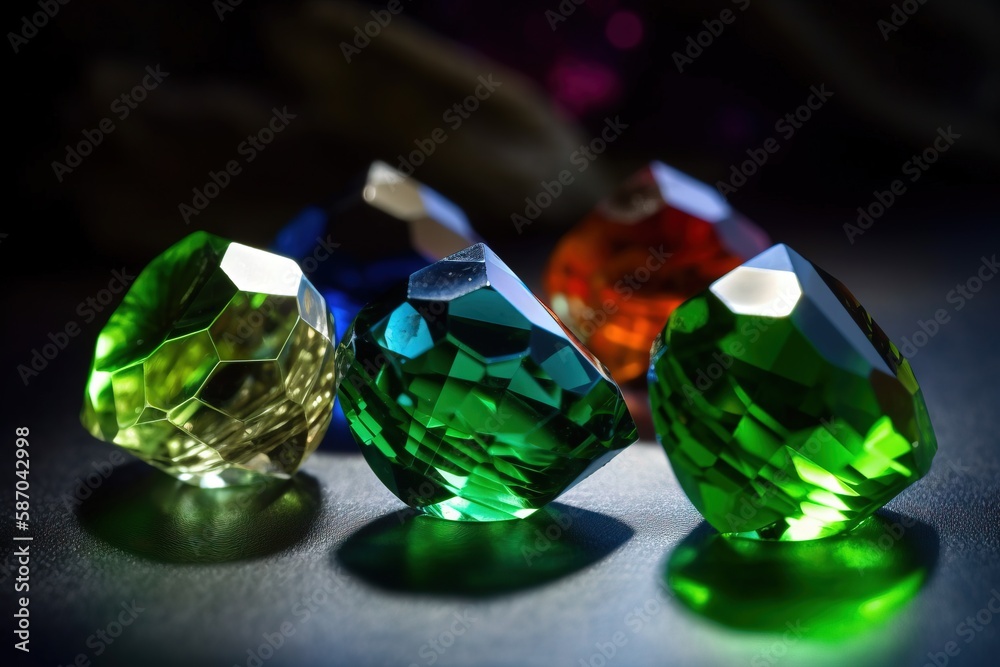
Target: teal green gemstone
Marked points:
784	409
470	400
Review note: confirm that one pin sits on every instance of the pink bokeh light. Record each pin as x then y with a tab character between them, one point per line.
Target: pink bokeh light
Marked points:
580	86
624	30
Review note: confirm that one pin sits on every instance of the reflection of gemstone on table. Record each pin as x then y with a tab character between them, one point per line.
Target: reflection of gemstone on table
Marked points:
831	589
156	517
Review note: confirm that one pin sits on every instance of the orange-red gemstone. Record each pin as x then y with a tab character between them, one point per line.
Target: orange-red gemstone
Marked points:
661	238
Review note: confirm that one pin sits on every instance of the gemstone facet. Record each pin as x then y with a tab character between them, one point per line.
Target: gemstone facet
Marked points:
785	411
218	367
411	226
660	239
470	400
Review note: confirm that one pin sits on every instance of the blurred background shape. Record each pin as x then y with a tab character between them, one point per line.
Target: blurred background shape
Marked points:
694	99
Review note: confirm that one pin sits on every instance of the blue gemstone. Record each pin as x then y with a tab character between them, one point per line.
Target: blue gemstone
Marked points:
360	244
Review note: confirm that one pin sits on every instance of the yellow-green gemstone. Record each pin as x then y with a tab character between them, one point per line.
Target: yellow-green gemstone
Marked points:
468	397
218	367
785	411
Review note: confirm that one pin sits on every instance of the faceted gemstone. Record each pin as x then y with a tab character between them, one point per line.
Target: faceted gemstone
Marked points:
661	238
353	248
385	227
470	400
218	367
785	411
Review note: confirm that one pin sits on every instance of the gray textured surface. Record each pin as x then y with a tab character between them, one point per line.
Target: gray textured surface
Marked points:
551	612
211	613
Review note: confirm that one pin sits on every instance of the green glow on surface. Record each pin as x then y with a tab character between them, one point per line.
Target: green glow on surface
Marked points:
150	514
837	587
424	554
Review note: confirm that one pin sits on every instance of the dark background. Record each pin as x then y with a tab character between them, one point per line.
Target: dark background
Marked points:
120	208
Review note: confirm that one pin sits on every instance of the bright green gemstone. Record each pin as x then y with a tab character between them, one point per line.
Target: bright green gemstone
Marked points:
785	411
218	367
468	397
